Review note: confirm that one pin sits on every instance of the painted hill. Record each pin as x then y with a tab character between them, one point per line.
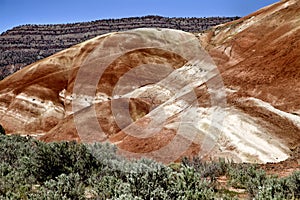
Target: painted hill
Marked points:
258	58
232	91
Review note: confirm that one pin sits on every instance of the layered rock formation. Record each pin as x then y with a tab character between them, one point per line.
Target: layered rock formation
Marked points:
26	44
230	92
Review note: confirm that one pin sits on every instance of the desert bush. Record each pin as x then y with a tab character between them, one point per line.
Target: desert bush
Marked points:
14	148
30	169
66	187
188	184
211	169
275	188
246	176
53	159
13	183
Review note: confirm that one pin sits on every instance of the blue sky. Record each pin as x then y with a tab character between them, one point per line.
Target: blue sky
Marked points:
18	12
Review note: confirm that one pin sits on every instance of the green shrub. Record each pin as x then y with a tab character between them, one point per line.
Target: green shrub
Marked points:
284	188
14	148
53	159
30	169
246	176
62	187
208	169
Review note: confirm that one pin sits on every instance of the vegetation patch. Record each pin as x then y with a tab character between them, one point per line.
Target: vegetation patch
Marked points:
31	169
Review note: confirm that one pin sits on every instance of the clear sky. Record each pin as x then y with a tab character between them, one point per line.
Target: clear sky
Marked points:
18	12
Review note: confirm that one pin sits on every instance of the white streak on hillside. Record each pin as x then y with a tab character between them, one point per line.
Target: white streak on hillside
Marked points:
238	135
293	118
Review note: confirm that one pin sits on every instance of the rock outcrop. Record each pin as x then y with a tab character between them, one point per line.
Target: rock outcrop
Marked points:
26	44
